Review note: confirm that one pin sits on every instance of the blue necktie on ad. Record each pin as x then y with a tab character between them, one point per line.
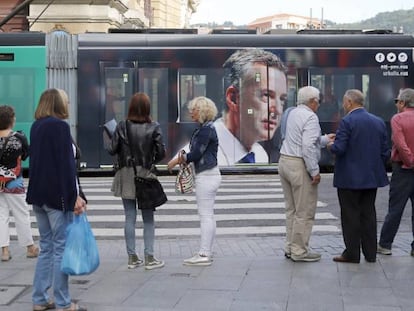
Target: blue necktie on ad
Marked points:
248	158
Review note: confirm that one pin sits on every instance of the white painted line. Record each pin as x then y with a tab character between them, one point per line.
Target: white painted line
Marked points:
171	190
218	217
160	232
193	206
191	197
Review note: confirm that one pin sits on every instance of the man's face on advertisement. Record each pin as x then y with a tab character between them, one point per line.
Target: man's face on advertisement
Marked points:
261	103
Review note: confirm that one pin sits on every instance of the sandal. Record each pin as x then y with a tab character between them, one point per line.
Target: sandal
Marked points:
73	307
6	256
47	306
32	251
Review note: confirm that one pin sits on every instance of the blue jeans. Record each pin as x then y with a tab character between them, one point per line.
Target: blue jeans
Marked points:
401	189
129	228
52	226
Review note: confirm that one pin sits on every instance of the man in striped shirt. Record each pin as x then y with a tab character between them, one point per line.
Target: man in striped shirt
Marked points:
402	180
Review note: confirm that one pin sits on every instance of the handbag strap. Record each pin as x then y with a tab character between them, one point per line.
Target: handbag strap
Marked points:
130	147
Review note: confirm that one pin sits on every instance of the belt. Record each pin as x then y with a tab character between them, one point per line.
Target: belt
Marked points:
289	156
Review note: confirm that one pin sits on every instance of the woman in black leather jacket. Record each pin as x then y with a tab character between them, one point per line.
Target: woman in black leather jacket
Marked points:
147	149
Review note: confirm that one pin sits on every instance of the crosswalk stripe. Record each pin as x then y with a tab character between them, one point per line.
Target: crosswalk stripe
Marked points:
180	218
178	197
241	204
166	232
185	206
191	205
221	190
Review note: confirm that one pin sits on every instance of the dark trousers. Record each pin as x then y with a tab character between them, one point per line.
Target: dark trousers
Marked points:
359	223
401	189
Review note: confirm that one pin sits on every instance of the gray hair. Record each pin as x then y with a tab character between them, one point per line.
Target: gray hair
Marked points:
407	96
355	96
306	93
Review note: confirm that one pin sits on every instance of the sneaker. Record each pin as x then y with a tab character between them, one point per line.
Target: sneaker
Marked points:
383	250
308	257
134	261
198	260
153	263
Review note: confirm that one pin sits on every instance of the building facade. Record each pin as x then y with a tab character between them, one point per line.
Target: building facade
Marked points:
16	23
285	22
79	16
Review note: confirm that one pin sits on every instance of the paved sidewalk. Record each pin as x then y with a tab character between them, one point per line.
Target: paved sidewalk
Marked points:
248	273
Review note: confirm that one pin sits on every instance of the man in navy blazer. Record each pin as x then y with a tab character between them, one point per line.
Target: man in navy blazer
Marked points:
361	152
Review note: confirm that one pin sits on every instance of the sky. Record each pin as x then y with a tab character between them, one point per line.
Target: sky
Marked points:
242	12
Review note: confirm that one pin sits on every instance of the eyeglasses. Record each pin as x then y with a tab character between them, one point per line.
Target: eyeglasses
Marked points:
396	101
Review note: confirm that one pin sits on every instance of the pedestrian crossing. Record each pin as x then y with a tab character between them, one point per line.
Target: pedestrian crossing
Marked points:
245	205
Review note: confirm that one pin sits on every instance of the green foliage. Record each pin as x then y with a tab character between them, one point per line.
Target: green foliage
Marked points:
395	20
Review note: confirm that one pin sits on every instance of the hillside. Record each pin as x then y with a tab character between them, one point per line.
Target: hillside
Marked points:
395	20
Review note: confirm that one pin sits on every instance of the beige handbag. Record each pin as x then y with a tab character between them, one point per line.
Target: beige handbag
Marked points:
185	181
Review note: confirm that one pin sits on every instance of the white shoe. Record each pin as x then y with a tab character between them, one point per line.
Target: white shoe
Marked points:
307	257
198	260
383	250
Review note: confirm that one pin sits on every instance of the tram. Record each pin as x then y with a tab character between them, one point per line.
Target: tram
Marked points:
174	68
22	74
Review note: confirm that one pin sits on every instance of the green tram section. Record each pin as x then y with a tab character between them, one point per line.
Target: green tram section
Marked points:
23	78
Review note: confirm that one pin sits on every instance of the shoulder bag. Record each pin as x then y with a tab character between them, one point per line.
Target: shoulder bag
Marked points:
148	191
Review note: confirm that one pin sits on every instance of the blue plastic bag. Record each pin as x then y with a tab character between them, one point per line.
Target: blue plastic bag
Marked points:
81	255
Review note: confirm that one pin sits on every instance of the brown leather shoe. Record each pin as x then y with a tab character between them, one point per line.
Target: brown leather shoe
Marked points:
32	251
47	306
344	259
5	254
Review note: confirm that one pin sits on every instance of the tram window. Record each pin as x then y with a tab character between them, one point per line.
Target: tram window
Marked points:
191	86
365	89
115	100
154	82
195	82
12	82
379	91
118	91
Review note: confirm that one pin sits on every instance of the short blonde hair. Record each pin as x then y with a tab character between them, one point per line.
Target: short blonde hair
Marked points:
206	107
52	103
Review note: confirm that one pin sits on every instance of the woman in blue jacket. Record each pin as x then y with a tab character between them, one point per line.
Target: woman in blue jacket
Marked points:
203	153
54	193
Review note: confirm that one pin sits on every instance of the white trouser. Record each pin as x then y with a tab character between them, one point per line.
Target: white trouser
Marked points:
207	184
16	204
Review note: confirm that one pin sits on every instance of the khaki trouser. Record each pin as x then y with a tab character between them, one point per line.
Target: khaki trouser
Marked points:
300	203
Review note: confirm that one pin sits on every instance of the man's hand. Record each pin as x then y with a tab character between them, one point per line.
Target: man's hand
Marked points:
316	179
